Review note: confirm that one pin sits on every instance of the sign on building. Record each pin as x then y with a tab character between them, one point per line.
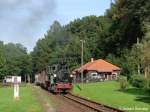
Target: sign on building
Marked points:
10	79
16	79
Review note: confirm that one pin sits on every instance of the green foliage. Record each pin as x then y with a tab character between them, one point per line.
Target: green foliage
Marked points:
65	42
123	82
94	30
149	84
139	81
112	37
2	61
51	48
14	60
128	18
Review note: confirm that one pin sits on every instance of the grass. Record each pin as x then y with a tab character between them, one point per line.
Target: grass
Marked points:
108	93
28	101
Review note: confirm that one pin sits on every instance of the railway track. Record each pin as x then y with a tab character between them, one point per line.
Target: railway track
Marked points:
91	104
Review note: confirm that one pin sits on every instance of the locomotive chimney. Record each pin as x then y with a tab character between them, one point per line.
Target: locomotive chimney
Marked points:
92	59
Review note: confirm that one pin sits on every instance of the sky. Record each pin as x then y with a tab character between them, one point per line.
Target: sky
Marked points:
25	21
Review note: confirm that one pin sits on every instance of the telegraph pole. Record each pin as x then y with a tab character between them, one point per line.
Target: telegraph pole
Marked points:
82	54
110	3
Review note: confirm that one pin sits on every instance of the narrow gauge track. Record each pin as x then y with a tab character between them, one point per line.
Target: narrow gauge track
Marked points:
91	104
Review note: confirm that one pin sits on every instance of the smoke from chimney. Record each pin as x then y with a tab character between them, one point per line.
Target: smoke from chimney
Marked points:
25	20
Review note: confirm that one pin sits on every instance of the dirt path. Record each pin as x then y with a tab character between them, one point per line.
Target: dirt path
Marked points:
43	99
57	103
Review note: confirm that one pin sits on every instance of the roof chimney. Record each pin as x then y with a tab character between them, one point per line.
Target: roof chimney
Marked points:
92	59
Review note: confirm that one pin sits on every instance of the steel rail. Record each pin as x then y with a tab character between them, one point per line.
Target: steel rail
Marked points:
92	104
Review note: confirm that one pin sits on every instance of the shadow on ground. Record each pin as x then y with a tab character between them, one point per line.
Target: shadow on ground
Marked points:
137	91
142	95
145	99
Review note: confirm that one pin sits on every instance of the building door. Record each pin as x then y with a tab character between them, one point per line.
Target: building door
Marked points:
109	77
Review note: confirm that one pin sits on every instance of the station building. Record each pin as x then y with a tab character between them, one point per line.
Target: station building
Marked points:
97	70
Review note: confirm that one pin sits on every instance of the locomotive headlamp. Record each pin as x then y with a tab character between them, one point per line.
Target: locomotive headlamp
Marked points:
55	75
71	75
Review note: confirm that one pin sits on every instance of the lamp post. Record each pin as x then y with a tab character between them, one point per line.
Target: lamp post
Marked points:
82	54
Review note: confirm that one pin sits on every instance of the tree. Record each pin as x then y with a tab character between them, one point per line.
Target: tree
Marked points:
2	60
52	47
88	29
128	17
14	60
146	51
55	27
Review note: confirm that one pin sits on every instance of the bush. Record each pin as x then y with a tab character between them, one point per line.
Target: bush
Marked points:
123	82
149	83
149	86
139	81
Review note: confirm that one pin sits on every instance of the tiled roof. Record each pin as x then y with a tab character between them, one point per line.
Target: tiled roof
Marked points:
99	66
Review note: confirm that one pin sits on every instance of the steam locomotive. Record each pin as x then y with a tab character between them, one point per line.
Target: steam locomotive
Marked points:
55	78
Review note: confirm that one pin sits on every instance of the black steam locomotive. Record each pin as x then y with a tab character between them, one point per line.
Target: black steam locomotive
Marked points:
55	78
